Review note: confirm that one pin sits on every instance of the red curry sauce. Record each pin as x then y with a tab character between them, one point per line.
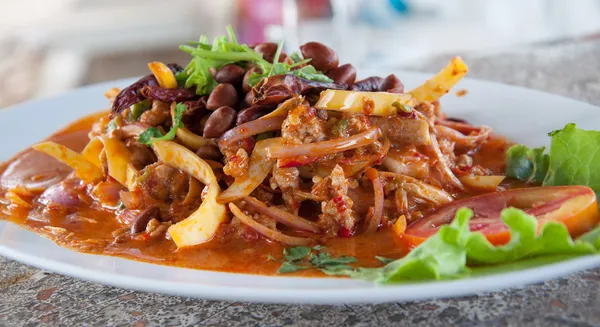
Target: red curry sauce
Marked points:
91	230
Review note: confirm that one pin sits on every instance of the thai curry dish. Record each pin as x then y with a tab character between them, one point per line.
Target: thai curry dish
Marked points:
253	160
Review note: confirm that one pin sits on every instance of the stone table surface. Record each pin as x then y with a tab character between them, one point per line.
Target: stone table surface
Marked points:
32	297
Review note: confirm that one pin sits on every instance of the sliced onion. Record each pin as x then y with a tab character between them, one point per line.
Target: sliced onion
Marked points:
459	126
282	216
131	199
442	165
134	129
260	166
325	147
377	212
419	189
251	128
354	168
107	193
60	194
462	141
268	232
283	108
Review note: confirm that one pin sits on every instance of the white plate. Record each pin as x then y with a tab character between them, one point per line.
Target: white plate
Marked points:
523	115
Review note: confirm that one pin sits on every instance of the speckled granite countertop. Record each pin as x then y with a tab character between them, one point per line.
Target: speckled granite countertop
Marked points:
31	297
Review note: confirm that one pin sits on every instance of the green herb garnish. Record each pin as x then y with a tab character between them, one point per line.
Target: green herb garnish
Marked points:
288	267
296	57
152	134
296	253
302	257
225	50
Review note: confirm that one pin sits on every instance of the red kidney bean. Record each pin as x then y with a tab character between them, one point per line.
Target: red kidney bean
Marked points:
268	49
141	220
210	152
278	88
232	74
245	86
223	95
252	113
248	99
344	74
219	122
323	57
392	84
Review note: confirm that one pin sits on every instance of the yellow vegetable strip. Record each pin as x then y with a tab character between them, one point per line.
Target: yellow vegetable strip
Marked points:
84	169
442	82
260	166
119	162
201	225
163	74
189	139
92	151
370	103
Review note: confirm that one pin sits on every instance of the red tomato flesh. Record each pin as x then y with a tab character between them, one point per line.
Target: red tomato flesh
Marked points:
574	206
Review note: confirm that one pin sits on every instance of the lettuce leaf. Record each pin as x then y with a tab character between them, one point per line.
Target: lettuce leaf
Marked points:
446	254
573	159
528	165
525	242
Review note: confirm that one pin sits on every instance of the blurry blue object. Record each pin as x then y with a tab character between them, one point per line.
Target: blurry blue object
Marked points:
381	13
399	5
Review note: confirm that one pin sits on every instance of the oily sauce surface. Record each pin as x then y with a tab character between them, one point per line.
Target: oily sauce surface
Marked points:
91	229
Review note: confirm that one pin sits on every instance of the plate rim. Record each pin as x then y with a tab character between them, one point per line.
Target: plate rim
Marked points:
375	294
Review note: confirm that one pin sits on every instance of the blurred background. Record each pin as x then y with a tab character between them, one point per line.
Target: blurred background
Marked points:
50	46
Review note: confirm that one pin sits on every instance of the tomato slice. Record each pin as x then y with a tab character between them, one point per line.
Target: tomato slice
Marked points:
574	206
